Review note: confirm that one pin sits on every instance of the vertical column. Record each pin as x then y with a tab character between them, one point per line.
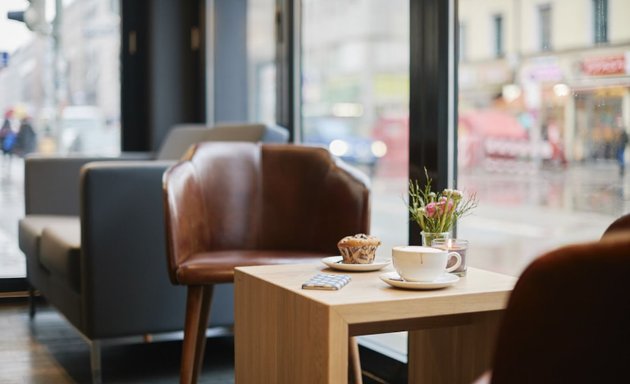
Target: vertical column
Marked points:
162	80
432	98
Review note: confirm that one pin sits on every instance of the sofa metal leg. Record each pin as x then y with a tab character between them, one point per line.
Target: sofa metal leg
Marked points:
95	361
31	302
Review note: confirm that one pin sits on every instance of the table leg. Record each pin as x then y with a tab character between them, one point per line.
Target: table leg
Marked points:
281	337
457	354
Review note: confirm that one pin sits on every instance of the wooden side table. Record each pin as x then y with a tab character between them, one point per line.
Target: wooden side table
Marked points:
284	334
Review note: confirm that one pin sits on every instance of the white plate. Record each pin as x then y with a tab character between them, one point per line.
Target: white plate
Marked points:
334	262
394	280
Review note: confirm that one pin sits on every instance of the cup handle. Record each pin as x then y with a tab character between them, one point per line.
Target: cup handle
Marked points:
457	263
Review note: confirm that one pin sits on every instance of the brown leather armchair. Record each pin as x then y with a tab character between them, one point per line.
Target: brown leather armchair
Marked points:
567	318
237	204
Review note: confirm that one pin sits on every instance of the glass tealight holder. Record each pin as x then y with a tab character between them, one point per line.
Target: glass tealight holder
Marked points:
453	245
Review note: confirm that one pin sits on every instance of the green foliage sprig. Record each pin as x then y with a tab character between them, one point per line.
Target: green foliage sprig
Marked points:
435	212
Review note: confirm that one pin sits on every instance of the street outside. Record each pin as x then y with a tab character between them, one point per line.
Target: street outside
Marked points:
520	215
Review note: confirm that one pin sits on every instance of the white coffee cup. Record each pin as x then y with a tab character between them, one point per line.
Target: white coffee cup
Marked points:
417	263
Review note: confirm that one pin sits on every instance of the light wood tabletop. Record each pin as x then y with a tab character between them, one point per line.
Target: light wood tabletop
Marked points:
286	334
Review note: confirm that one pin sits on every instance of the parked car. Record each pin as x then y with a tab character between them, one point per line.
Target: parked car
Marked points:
337	136
394	133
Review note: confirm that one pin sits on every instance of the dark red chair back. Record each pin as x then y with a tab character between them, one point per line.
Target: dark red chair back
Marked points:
568	319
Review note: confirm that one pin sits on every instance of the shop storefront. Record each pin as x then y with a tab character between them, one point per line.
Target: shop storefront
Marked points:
601	88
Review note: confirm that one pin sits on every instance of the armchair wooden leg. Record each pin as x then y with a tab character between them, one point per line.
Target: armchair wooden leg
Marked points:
203	325
197	308
355	360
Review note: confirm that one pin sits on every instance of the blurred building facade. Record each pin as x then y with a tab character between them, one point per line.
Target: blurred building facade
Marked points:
563	63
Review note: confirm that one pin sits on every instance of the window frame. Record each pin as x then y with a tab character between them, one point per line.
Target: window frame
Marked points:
433	87
600	21
545	26
498	24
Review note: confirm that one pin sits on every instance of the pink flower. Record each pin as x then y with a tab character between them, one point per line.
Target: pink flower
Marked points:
450	206
431	209
445	205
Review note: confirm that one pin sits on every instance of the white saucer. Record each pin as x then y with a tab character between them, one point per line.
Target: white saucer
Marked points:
394	280
334	262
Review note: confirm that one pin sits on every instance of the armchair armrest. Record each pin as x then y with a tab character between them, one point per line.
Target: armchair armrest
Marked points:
125	284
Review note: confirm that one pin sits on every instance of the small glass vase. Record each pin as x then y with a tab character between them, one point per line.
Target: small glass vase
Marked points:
428	237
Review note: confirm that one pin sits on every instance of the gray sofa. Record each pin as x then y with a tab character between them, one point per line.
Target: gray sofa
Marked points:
93	237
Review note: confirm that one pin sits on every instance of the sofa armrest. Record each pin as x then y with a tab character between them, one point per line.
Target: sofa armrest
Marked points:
125	285
51	183
275	134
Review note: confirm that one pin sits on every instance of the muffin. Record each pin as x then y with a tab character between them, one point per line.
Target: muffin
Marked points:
358	249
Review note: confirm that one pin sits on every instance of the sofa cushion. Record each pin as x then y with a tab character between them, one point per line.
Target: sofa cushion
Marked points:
30	230
60	252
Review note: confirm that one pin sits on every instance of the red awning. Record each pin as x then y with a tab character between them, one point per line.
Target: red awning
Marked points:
492	123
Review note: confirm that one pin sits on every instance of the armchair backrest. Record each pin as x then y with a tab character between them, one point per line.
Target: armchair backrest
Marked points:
567	318
181	137
620	224
261	197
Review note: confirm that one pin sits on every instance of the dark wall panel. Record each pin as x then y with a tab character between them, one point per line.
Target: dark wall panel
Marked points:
162	78
135	97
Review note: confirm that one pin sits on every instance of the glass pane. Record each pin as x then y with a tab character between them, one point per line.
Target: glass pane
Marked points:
541	138
355	97
261	60
355	65
59	94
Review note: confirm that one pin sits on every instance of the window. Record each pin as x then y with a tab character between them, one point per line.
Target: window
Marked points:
544	17
63	98
355	85
600	21
539	141
497	21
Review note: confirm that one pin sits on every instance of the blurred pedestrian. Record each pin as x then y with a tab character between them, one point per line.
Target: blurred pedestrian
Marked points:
622	143
7	138
26	138
555	141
